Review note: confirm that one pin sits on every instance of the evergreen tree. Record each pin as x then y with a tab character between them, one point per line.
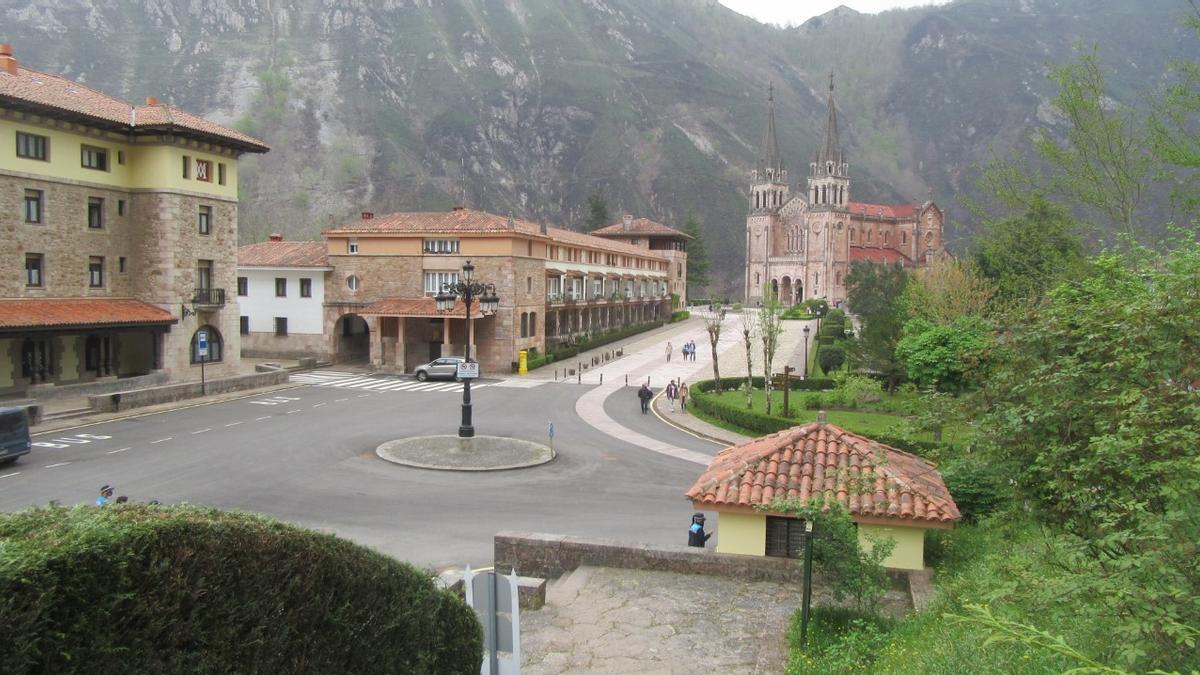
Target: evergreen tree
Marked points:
597	212
697	261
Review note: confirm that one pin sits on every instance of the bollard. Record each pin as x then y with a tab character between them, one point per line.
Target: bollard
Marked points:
626	379
601	378
581	377
556	374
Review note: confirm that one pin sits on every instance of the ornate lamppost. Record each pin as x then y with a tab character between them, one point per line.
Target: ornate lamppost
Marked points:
805	376
468	290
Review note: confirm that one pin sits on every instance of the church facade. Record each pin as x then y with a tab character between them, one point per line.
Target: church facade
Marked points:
801	246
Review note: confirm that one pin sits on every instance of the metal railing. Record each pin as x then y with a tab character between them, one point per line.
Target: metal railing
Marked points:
209	297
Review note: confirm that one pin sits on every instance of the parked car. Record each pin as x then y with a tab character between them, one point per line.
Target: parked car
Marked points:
14	434
443	368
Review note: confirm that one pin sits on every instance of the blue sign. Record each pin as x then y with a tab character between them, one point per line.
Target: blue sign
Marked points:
202	343
552	430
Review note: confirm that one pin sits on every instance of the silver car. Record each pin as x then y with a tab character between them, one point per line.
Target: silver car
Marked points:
445	367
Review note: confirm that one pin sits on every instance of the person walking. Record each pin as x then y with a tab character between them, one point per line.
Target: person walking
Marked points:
669	351
693	351
696	535
106	492
683	395
672	393
644	395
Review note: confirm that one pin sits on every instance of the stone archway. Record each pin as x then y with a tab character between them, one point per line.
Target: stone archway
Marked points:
353	338
775	288
785	291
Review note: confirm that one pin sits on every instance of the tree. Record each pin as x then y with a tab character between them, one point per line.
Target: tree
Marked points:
597	212
830	358
1022	256
770	326
874	293
1173	129
713	323
944	356
748	338
946	289
697	255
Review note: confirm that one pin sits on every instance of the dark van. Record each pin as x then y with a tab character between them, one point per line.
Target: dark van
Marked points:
14	434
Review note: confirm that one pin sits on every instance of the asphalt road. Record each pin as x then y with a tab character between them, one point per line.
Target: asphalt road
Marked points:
306	455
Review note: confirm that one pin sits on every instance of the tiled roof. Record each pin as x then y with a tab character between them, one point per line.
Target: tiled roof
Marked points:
417	307
815	460
17	313
58	93
465	221
892	211
878	255
284	254
639	226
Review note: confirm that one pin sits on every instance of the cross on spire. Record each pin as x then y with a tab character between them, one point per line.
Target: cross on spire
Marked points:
770	159
831	146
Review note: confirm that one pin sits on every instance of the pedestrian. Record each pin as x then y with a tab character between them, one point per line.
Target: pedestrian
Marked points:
693	351
668	351
696	534
644	394
122	499
683	394
687	351
105	492
672	393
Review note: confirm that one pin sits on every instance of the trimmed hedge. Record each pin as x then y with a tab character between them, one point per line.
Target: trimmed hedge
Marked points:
794	384
150	589
680	316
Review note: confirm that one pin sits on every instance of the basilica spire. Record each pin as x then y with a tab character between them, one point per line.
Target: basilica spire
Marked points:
770	162
831	146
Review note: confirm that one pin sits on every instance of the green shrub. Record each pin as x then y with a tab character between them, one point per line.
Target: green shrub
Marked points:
831	358
840	640
680	316
145	589
976	488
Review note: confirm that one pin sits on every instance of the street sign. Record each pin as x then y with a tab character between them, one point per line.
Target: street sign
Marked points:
468	370
202	343
495	599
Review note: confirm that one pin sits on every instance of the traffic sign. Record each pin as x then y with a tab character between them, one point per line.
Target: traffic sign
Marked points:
468	370
202	343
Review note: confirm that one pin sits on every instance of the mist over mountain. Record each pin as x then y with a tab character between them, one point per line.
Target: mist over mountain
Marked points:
532	105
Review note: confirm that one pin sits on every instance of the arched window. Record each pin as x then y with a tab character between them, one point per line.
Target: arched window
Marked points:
215	345
869	233
757	279
887	237
814	194
852	234
903	237
524	324
533	324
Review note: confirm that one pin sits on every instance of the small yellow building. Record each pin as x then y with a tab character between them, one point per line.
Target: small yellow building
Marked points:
889	493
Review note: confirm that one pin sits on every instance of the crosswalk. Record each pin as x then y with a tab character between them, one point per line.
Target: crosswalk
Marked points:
377	382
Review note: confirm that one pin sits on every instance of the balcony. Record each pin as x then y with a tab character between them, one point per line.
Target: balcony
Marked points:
208	298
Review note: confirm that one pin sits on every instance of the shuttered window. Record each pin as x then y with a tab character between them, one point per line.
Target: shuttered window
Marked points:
785	537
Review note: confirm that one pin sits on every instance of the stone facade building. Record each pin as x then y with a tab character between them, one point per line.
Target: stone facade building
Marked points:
555	286
802	245
669	242
118	224
281	296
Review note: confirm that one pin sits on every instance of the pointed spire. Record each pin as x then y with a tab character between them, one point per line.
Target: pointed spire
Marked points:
770	157
831	147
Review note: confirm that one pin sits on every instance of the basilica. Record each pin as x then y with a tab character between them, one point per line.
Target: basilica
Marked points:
801	245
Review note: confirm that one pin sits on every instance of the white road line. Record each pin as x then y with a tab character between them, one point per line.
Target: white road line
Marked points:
381	385
162	440
349	383
232	424
363	396
449	387
259	419
339	400
292	411
51	466
10	475
318	405
404	386
359	385
201	431
113	452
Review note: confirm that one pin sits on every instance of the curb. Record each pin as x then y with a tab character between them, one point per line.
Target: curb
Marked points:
685	429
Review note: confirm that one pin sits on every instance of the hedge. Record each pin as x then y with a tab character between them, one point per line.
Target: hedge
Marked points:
794	384
680	316
150	589
532	361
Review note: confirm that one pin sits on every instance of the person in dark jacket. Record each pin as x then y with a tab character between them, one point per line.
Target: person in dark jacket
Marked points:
644	394
696	535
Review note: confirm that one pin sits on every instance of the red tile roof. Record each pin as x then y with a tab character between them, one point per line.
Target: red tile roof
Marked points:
45	91
892	211
639	226
465	221
284	254
815	460
417	307
878	255
28	313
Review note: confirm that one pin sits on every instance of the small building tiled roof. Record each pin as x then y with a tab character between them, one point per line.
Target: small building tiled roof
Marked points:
459	221
878	255
639	227
418	308
279	253
34	313
886	211
53	94
824	461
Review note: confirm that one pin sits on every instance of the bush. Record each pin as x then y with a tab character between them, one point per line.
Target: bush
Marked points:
145	589
841	640
831	358
977	489
680	316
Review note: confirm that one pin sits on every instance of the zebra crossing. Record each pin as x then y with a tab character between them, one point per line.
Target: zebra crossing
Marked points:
376	382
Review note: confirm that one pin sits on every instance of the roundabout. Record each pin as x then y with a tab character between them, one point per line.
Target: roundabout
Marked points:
452	453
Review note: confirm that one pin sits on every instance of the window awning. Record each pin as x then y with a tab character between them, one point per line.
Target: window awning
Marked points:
24	314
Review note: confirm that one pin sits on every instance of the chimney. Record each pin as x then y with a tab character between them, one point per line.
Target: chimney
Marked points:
275	236
8	63
627	222
151	100
367	215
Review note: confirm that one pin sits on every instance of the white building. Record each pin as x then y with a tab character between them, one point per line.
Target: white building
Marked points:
281	293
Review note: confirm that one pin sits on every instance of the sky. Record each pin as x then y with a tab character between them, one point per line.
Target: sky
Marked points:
784	12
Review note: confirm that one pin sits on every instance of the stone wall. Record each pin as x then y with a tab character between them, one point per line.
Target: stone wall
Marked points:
137	398
272	346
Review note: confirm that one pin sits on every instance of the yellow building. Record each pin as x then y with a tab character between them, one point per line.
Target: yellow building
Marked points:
889	493
118	226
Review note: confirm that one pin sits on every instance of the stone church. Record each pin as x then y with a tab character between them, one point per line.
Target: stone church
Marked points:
802	245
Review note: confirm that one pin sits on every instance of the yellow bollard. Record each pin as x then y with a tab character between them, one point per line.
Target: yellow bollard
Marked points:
523	363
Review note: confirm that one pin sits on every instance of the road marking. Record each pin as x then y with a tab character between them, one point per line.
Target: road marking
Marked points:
162	440
363	396
113	452
264	417
292	411
51	466
340	400
318	405
232	424
10	475
201	431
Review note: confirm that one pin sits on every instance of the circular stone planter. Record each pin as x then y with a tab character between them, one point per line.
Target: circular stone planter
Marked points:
451	453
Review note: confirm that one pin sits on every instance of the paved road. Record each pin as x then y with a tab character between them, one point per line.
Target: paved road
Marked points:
305	455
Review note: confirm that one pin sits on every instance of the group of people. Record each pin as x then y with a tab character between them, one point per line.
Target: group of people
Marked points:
689	350
106	496
674	392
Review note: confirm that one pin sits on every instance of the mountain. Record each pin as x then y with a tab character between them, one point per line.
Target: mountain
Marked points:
530	106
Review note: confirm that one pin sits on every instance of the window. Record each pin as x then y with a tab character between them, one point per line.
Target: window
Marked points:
204	220
524	324
121	264
33	270
306	288
96	272
280	287
215	352
441	246
352	247
120	207
95	213
785	537
33	206
221	173
352	284
204	170
434	281
204	274
244	325
121	157
187	167
281	326
533	324
243	287
91	157
528	284
32	146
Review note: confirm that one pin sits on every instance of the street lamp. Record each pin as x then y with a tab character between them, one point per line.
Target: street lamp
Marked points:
469	290
805	376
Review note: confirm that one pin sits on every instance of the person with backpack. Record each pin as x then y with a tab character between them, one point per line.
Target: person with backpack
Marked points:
644	395
696	535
